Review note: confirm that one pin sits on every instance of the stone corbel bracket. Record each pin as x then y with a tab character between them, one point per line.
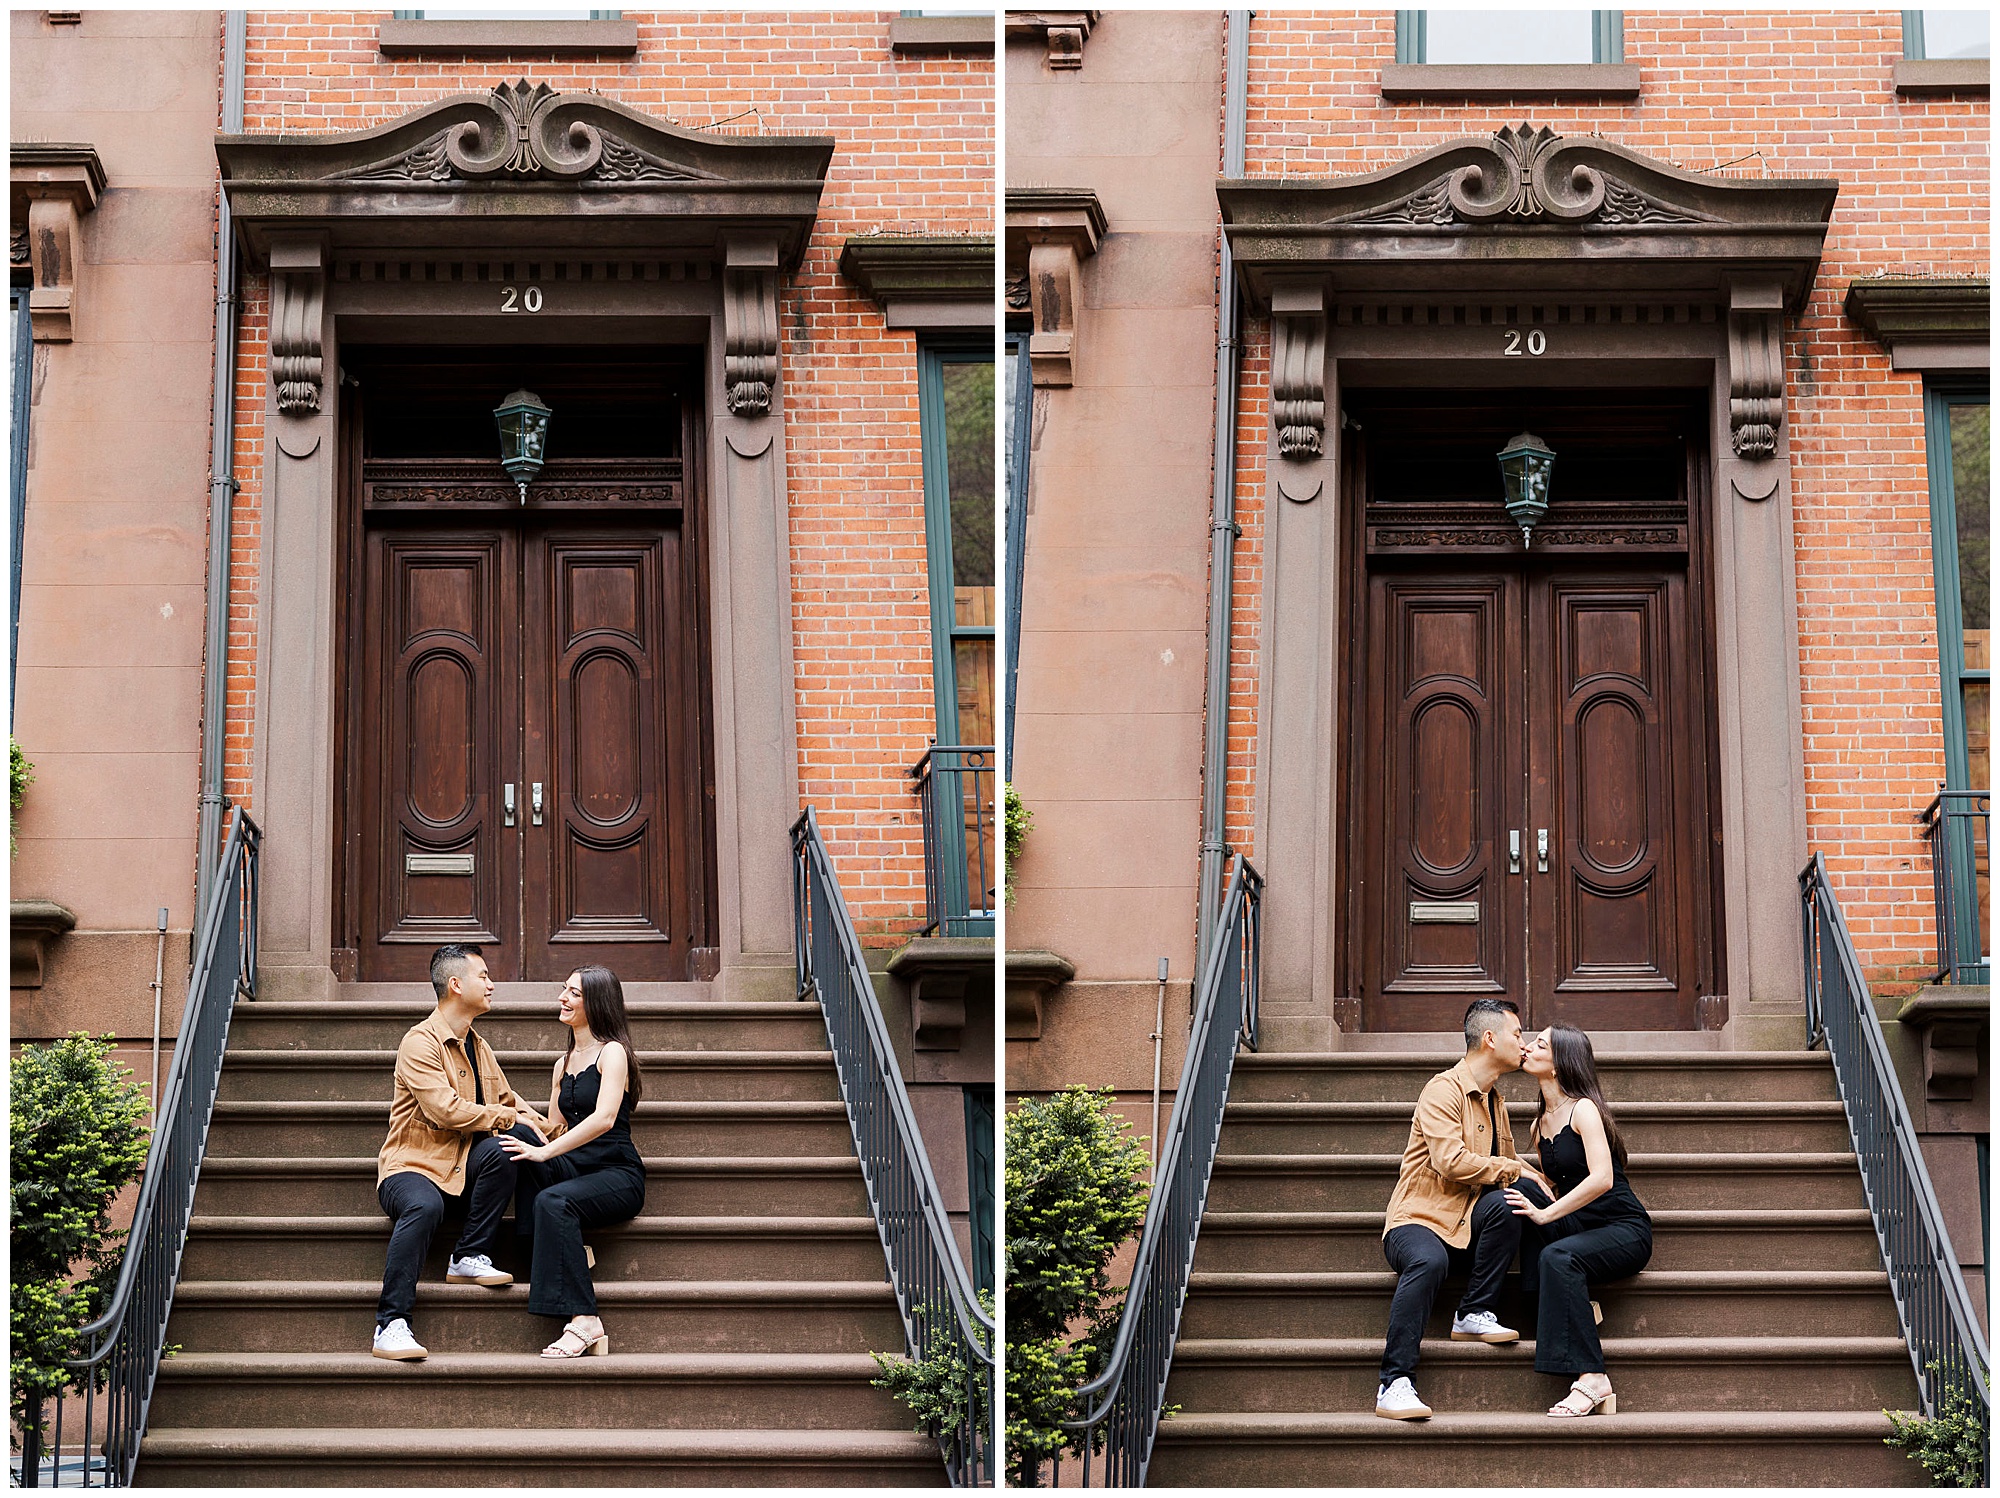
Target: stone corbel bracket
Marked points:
1063	31
54	184
298	321
1926	322
750	324
941	972
1298	369
1032	976
924	280
1051	232
1756	372
33	926
1954	1023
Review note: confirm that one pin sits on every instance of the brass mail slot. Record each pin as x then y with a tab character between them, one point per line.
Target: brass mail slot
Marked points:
1444	912
438	863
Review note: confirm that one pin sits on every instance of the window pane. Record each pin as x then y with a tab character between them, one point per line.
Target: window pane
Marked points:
1957	33
1971	426
1010	393
968	446
1507	36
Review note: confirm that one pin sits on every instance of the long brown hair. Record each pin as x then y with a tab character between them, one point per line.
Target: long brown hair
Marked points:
604	1008
1576	1074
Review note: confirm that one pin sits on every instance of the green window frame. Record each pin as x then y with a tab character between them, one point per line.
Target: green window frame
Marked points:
946	632
1940	399
1607	36
979	1180
1915	48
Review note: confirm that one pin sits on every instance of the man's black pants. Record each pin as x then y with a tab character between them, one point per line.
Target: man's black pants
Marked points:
1422	1259
416	1207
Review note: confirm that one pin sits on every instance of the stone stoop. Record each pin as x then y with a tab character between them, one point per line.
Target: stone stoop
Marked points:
1758	1348
742	1304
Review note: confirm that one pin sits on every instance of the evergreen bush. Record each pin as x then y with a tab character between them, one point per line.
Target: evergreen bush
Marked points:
1016	820
1076	1190
20	775
78	1131
1951	1445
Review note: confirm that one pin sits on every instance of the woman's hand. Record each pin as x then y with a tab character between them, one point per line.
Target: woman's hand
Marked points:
520	1149
1525	1208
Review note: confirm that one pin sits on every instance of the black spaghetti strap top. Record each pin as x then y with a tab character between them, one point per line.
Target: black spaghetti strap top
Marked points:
613	1149
1566	1165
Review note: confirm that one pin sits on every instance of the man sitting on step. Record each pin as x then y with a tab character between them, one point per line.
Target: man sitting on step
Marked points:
1448	1212
443	1157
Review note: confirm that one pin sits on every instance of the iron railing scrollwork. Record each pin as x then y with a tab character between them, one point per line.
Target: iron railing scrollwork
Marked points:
1121	1406
954	785
942	1317
1938	1319
111	1384
1958	826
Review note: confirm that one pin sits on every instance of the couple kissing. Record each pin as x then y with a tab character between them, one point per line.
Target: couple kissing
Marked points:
461	1144
1465	1202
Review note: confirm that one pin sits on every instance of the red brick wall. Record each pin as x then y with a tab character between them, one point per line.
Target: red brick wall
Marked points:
1810	94
914	154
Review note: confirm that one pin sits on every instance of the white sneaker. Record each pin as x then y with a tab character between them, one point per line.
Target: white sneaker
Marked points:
477	1270
1481	1326
1398	1401
394	1341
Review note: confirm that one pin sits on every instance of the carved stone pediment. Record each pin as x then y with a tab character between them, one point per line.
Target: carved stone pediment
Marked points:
526	164
1526	207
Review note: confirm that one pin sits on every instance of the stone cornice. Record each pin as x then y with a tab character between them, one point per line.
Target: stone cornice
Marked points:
1064	32
1527	208
525	165
53	184
1047	215
58	168
1925	320
924	280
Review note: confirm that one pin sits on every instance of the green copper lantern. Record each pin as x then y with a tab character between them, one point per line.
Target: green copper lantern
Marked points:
1527	465
524	437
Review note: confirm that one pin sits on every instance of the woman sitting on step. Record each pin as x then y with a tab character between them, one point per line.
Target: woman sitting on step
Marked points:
588	1176
1594	1231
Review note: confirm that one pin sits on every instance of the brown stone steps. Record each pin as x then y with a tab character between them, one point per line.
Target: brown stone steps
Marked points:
653	1248
1653	1303
346	1127
1811	1448
1628	1077
1305	1242
1651	1374
1664	1182
746	1316
367	1075
1253	1128
469	1456
379	1023
694	1187
681	1391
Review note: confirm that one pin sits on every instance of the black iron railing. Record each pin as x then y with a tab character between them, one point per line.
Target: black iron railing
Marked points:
1939	1322
1958	825
942	1318
954	785
1121	1406
96	1424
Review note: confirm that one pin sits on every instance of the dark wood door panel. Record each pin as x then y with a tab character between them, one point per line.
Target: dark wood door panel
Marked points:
603	662
437	721
1442	919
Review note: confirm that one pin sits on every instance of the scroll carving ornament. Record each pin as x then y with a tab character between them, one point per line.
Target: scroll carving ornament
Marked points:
531	131
1526	174
1756	374
750	336
1298	371
298	300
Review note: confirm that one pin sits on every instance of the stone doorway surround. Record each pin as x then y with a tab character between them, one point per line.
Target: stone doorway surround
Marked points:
1532	259
526	215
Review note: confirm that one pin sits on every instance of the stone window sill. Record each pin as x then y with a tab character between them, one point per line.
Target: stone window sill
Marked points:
400	38
1555	80
1943	75
941	34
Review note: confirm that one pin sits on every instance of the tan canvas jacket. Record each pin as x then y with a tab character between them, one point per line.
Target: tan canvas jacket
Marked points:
1447	1161
433	1120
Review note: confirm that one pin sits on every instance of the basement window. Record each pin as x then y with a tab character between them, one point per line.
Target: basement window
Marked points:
1501	54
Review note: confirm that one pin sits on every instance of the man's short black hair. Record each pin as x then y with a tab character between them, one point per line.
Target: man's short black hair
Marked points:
1481	1015
448	962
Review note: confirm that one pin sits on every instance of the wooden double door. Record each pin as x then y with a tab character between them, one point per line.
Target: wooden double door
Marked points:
526	771
1531	813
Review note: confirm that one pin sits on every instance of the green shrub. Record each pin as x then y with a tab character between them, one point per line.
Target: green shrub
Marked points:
20	775
1075	1192
1016	820
79	1137
939	1390
1951	1445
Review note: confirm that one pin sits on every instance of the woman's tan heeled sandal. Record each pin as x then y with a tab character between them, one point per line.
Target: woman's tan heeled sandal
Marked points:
1605	1403
573	1344
1596	1314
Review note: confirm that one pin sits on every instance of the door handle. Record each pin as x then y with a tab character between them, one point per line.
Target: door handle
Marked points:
1541	843
507	804
1514	851
535	807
